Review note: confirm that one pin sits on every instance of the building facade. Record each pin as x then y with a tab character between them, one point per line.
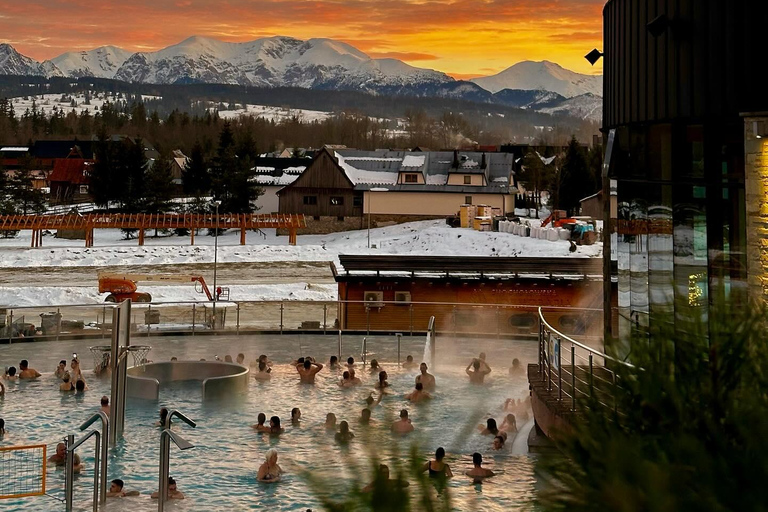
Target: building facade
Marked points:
684	115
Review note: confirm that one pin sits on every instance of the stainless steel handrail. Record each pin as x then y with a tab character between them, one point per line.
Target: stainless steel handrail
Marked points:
166	436
104	447
69	477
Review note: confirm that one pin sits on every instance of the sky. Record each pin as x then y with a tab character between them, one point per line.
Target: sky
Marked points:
464	38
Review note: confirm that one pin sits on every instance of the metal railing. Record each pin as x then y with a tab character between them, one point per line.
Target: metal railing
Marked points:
586	369
166	436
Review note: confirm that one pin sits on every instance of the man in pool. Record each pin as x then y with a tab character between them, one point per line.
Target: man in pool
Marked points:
60	457
354	381
479	370
240	358
425	378
26	372
350	363
403	425
173	491
409	362
105	404
418	394
308	370
116	490
382	480
365	417
478	473
263	373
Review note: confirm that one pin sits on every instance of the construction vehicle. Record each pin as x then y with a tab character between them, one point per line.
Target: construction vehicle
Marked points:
123	286
583	231
559	219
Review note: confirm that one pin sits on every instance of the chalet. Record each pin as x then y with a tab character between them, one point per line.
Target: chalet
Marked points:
272	174
12	157
340	188
70	178
47	152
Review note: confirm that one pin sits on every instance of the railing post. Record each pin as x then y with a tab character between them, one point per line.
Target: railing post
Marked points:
399	335
559	358
238	320
58	323
549	358
69	474
410	311
591	390
340	345
325	317
10	327
573	377
498	327
281	317
148	312
104	321
193	319
367	320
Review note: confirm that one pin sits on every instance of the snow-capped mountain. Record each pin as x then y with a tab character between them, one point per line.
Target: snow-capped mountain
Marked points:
586	106
544	75
14	63
273	62
100	62
531	99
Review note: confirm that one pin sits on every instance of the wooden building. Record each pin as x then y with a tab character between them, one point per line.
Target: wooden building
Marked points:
478	295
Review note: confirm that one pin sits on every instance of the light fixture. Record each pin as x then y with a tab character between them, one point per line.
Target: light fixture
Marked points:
758	129
593	56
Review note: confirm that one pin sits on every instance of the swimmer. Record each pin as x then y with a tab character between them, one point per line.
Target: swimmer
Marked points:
270	472
61	369
80	386
163	418
333	364
74	373
437	468
383	482
116	490
274	426
345	381
479	370
2	427
173	491
66	385
240	358
498	442
425	378
263	373
308	370
174	359
25	372
260	427
369	402
60	457
295	417
10	373
515	369
509	424
2	388
105	404
374	366
264	358
478	473
409	362
344	435
227	358
418	394
490	428
403	425
330	421
382	384
365	417
355	381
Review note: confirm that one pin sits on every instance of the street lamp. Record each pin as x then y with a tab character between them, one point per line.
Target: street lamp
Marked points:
370	200
215	261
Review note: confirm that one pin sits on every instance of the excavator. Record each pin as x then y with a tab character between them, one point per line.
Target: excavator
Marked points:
559	219
123	286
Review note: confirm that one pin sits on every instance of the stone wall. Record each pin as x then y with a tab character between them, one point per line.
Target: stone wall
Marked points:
756	191
326	225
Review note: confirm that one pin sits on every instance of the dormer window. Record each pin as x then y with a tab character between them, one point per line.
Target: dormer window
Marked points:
411	178
467	180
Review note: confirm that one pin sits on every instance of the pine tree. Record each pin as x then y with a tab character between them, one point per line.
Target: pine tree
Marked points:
104	172
195	177
576	179
133	195
159	186
21	191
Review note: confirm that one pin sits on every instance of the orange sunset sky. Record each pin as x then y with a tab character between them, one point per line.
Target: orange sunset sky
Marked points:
463	38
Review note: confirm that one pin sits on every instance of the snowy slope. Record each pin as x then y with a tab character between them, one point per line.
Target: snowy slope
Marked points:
587	106
544	75
14	63
100	62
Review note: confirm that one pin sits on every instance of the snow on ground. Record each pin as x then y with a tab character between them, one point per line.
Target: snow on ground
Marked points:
33	296
432	237
276	114
46	102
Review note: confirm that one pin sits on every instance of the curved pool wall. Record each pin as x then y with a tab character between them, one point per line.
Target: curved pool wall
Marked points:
219	379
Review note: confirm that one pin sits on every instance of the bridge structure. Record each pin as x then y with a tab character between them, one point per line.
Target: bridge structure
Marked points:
143	221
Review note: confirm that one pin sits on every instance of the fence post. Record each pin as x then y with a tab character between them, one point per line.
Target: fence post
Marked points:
591	391
573	377
325	317
10	327
367	320
193	319
281	317
58	323
498	327
410	310
148	312
237	333
559	370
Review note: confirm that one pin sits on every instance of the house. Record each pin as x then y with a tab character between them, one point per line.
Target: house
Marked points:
341	188
70	178
178	164
46	152
12	157
272	174
593	205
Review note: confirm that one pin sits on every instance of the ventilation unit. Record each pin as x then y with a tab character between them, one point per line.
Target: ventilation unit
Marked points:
374	299
402	297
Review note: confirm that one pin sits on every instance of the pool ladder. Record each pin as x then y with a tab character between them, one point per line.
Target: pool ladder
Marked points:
100	462
166	436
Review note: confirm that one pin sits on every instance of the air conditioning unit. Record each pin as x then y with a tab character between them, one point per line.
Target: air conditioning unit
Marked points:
374	299
402	298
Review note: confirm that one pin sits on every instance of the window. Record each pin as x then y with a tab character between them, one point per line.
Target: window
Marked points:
83	189
310	200
357	201
337	201
411	178
467	180
467	199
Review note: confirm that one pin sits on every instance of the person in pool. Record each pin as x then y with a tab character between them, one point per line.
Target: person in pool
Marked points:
365	417
80	386
105	405
478	473
479	370
498	442
409	362
2	427
382	384
383	481
490	428
173	491
274	426
333	364
260	427
437	468
240	358
374	366
403	425
270	472
425	378
295	417
2	388
330	422
515	369
418	394
370	402
25	372
344	435
60	458
263	373
75	373
163	417
61	369
355	381
10	373
308	370
509	424
116	487
67	384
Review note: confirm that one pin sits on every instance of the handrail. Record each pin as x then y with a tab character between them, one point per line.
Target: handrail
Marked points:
104	447
181	416
580	345
166	436
69	487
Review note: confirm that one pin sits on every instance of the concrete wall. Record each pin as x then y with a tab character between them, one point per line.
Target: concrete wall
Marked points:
431	203
756	191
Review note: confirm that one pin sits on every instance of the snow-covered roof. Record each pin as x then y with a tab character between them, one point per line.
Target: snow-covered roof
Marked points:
359	176
266	179
413	160
14	148
295	170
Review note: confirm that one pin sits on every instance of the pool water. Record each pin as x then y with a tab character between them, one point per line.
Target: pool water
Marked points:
220	472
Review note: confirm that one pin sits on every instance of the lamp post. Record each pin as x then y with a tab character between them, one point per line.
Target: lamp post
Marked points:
370	200
215	262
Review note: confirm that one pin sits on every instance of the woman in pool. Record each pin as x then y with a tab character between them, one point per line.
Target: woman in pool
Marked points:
10	373
375	366
295	417
330	422
67	384
274	426
345	381
75	374
490	428
509	424
498	442
382	384
270	472
437	468
260	427
333	364
344	435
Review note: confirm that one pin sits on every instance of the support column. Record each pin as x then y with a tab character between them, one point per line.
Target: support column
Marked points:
192	236
292	236
756	199
141	236
242	236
